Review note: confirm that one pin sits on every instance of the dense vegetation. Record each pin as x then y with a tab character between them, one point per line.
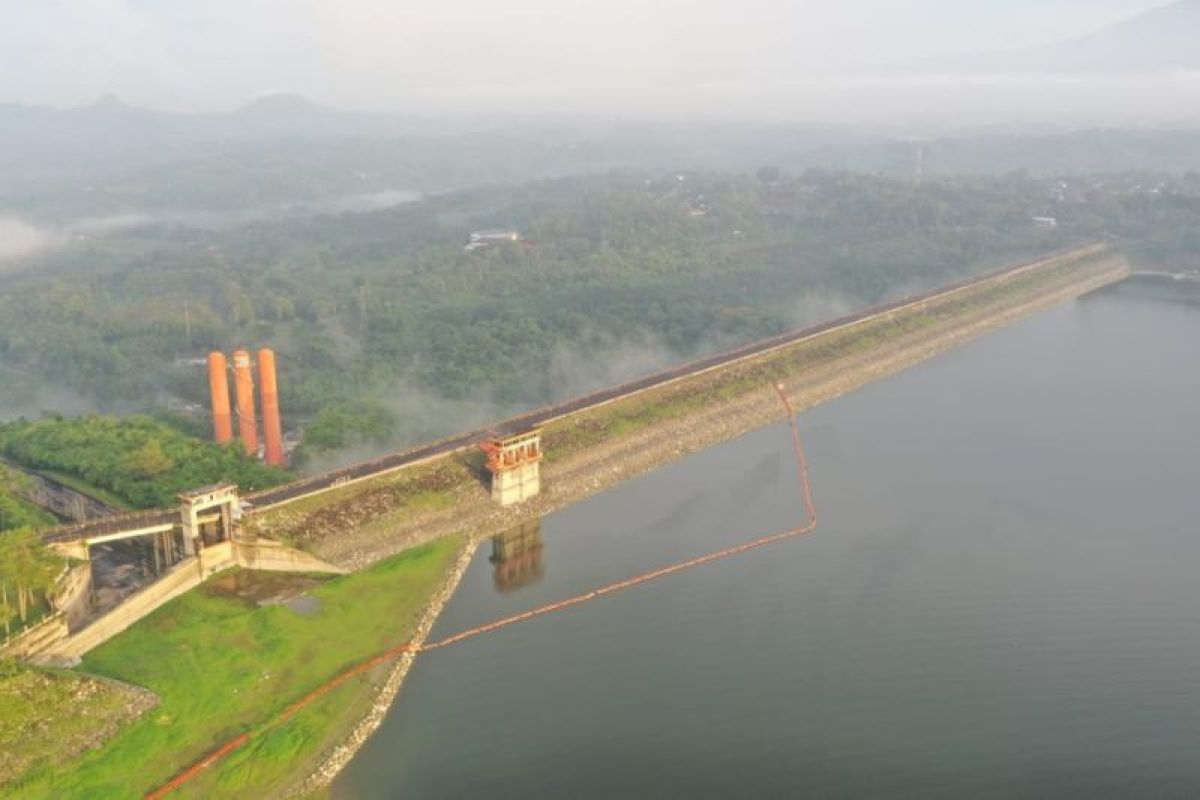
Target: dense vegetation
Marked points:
15	510
27	570
386	328
27	573
140	460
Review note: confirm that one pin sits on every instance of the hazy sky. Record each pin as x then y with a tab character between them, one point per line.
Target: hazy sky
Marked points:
401	54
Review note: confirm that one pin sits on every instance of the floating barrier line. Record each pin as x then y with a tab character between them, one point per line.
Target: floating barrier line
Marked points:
224	750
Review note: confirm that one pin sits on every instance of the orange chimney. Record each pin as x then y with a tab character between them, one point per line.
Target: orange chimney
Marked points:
218	385
244	387
272	427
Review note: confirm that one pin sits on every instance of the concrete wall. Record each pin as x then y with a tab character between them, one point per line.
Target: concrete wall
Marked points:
73	594
264	554
36	640
183	576
216	557
516	484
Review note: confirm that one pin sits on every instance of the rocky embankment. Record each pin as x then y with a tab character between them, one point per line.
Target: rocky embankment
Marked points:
350	541
373	524
332	762
49	718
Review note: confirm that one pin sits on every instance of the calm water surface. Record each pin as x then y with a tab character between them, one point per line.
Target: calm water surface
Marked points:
1001	600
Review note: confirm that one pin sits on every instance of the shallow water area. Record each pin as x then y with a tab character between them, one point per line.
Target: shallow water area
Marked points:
269	588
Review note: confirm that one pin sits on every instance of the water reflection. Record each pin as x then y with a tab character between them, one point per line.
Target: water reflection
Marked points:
1001	602
517	557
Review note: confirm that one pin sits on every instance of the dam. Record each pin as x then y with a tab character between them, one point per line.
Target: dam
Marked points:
527	553
999	599
515	448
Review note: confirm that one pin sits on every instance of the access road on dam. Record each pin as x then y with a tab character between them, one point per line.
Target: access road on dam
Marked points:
396	461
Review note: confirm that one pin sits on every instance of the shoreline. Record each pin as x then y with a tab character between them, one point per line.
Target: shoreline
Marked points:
591	472
374	521
333	761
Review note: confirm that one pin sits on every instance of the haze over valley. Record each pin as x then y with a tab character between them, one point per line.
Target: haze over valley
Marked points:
720	398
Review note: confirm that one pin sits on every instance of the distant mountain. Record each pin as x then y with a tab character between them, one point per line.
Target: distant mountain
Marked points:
110	103
282	104
281	113
40	141
86	144
1165	39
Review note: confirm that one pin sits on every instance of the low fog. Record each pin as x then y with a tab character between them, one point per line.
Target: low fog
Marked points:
171	145
20	240
860	61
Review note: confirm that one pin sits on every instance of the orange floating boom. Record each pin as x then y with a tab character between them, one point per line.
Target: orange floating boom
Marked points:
269	392
244	389
218	385
417	647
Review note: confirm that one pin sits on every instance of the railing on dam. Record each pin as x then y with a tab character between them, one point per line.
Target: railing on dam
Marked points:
537	417
379	466
114	523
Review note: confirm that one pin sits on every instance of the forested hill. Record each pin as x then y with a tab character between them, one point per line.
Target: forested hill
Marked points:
141	462
387	328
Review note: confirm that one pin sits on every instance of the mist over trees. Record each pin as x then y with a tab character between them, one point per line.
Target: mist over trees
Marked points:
382	318
132	240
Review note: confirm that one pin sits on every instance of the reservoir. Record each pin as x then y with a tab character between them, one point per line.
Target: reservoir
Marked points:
1001	599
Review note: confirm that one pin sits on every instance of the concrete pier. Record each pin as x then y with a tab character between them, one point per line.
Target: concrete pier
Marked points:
514	463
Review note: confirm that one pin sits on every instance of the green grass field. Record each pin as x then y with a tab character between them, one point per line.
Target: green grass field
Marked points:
223	666
76	709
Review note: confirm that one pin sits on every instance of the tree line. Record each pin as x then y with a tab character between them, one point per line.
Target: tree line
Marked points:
142	461
27	574
368	311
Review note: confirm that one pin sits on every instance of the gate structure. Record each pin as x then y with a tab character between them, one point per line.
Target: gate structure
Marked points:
513	462
207	515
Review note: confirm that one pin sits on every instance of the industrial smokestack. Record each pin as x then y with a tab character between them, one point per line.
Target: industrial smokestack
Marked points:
218	385
244	388
268	391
